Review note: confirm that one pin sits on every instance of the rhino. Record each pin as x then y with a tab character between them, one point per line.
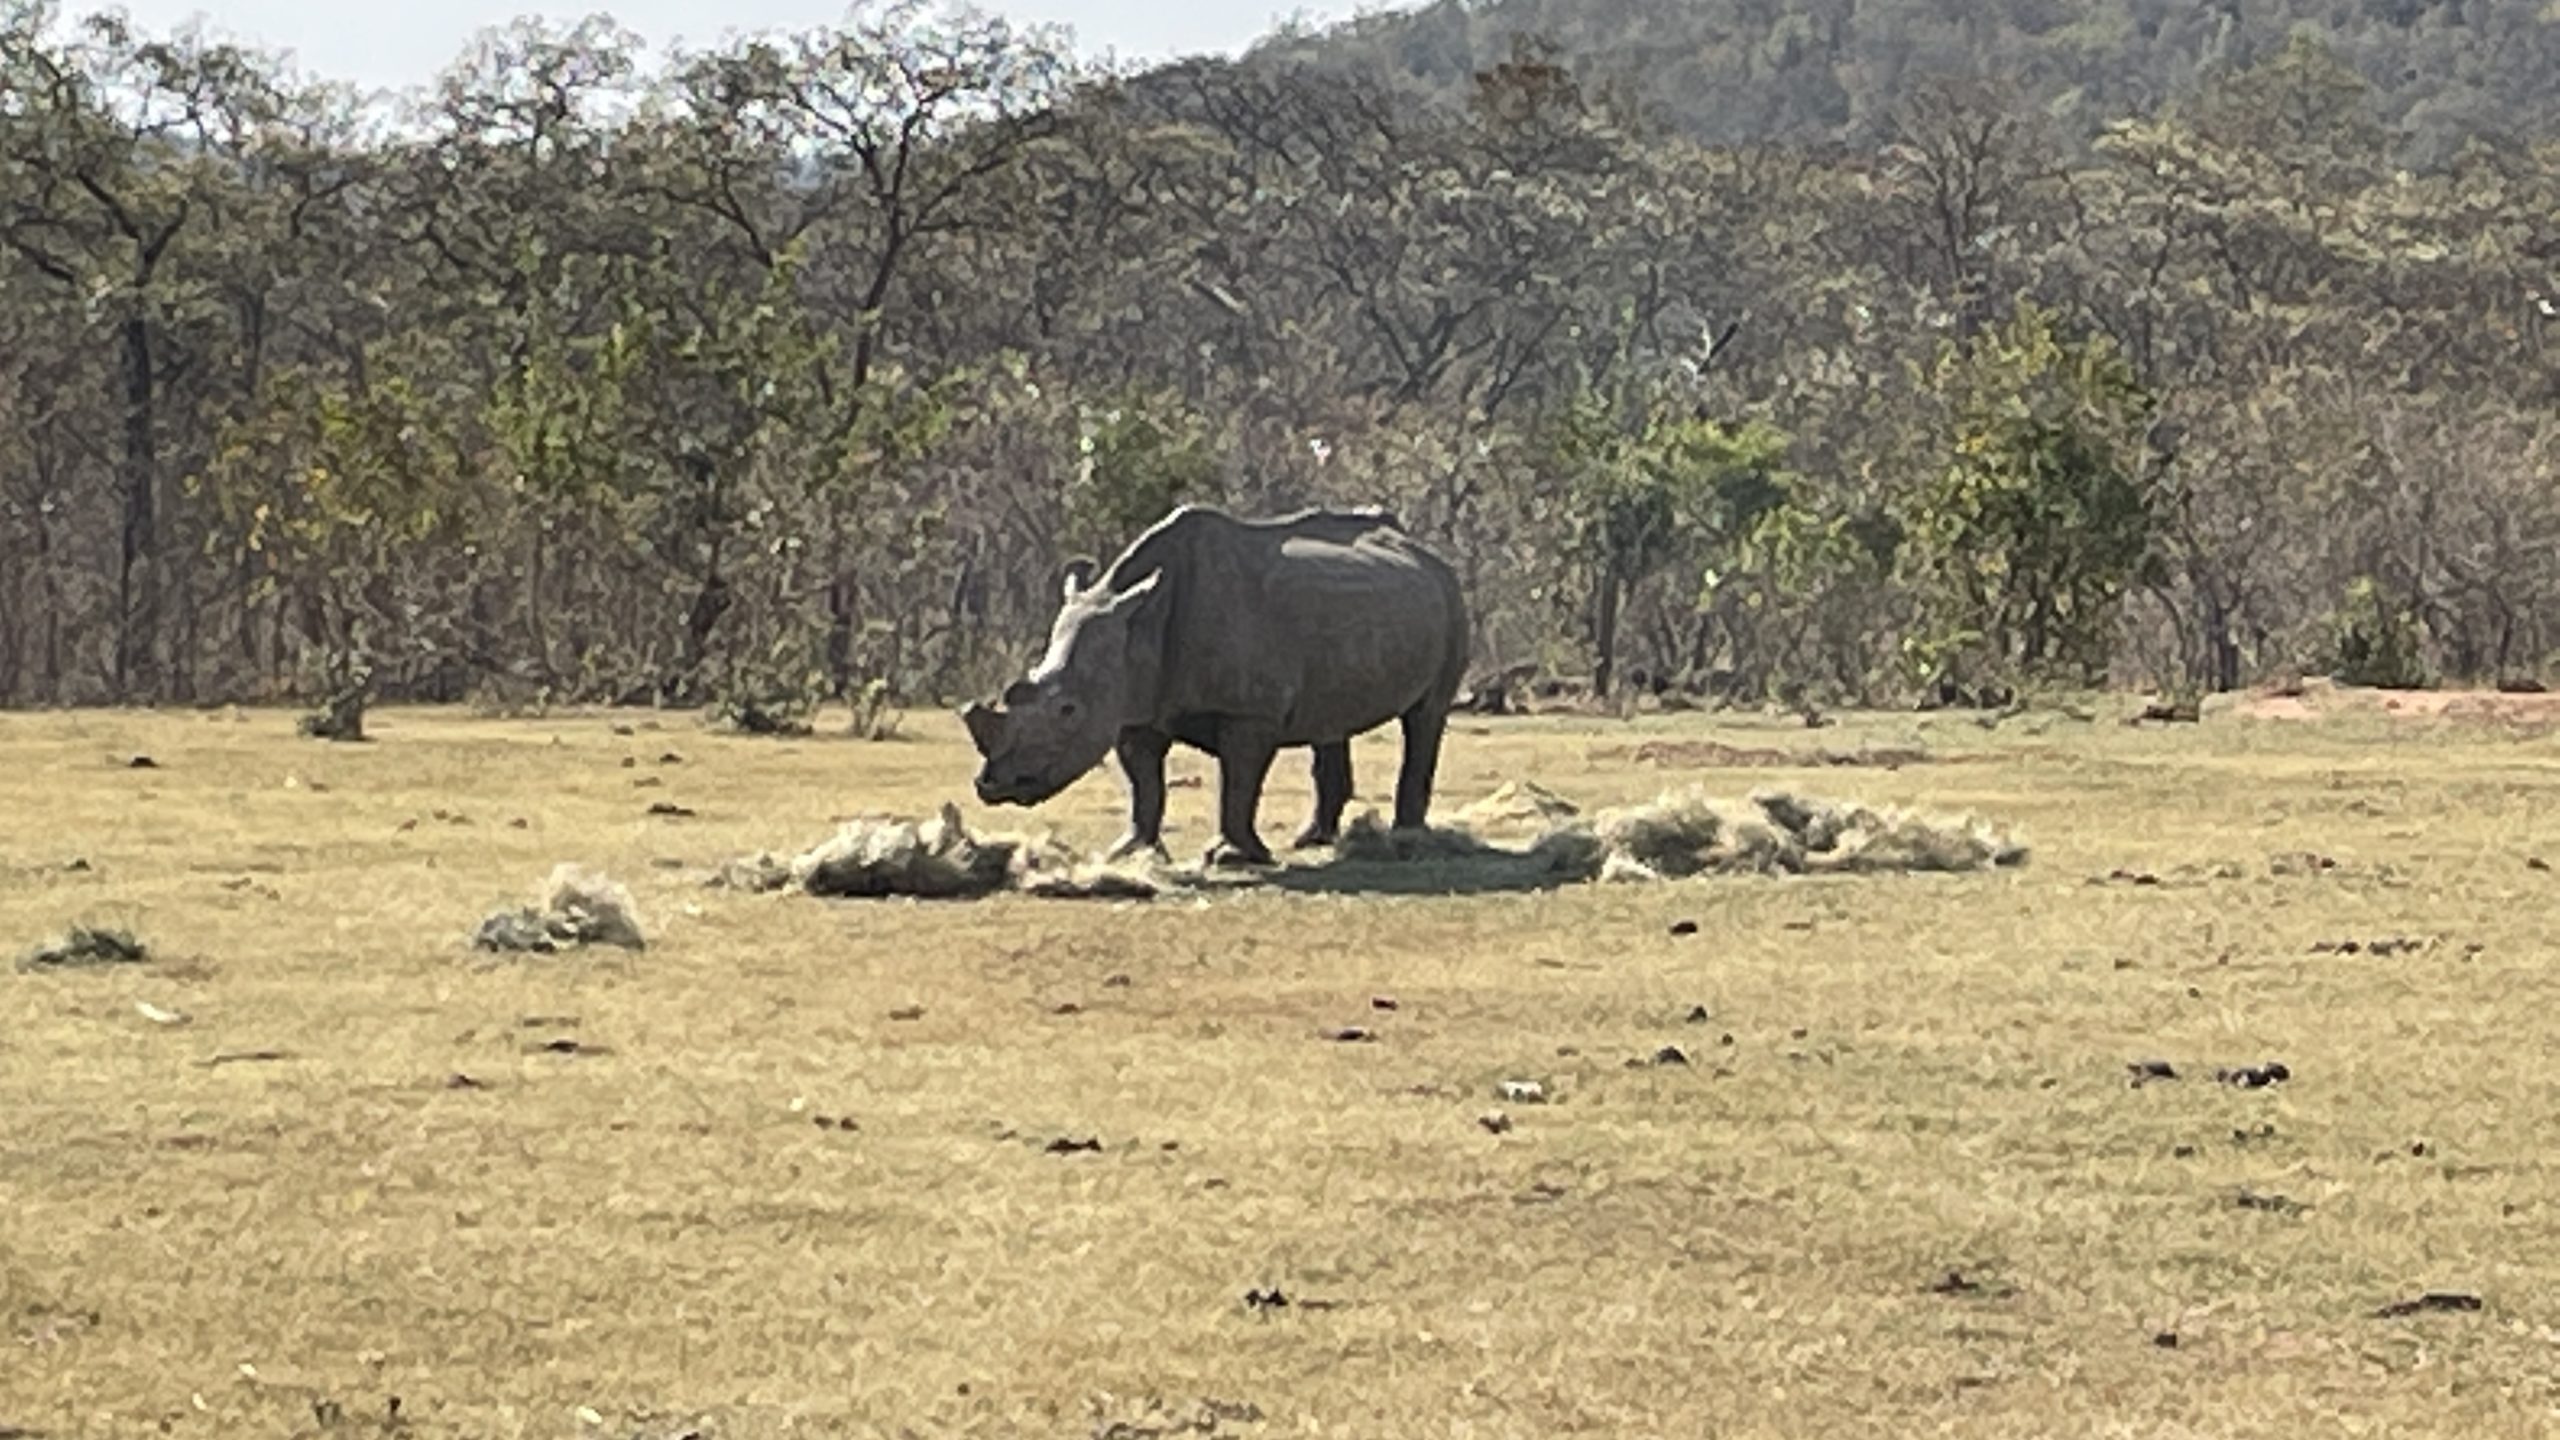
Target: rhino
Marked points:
1238	637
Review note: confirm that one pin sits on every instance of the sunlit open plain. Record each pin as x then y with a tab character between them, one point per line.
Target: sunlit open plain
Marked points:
342	1158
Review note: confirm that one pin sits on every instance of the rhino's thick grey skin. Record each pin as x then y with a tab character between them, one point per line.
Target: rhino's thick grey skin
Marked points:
1239	638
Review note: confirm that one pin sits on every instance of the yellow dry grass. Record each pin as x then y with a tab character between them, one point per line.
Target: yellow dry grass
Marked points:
1899	1076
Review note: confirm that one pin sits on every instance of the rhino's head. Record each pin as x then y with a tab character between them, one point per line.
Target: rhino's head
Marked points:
1058	722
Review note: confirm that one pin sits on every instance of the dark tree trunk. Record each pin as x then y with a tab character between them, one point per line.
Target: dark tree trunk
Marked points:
2221	650
700	618
1605	634
137	576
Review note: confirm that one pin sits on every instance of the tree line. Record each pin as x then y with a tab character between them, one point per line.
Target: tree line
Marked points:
792	368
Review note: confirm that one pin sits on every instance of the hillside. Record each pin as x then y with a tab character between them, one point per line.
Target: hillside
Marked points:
1737	70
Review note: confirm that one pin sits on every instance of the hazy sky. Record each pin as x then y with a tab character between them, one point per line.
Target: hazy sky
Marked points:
386	45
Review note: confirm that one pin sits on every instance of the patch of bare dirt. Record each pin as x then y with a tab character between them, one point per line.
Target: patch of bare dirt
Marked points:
1716	755
2314	700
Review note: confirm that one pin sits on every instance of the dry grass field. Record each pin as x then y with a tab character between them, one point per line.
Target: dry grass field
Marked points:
344	1158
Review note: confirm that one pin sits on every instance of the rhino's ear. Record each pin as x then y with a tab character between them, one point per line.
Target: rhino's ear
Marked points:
1128	602
1073	580
985	727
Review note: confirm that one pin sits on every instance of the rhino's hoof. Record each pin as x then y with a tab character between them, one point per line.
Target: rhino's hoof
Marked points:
1133	845
1316	840
1226	855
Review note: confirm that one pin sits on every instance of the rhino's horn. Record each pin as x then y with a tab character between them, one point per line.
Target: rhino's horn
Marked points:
1073	580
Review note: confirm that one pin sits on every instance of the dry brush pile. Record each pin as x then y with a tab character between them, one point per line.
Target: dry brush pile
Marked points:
1680	834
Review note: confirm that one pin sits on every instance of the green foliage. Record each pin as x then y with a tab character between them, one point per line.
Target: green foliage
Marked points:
1634	496
560	417
2375	641
2036	517
1138	455
1672	483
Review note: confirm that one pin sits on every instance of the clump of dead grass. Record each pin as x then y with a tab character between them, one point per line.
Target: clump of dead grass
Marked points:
1689	832
1518	803
1676	836
934	859
877	857
575	907
1685	833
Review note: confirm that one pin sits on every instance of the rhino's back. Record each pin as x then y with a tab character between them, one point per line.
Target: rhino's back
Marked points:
1329	622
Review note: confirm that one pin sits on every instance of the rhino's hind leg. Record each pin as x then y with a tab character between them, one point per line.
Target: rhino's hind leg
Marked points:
1142	755
1244	762
1333	791
1424	725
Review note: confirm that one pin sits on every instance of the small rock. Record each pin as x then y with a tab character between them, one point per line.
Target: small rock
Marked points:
142	762
1684	927
1351	1035
2146	1071
907	1012
1523	1092
2166	1339
2536	862
1495	1122
671	758
459	1081
671	809
1261	1301
1382	1002
1670	1055
1953	1282
1115	982
1698	1015
1066	1007
1066	1145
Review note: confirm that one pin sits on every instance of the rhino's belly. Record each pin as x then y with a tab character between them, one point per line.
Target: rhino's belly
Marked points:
1199	730
1319	723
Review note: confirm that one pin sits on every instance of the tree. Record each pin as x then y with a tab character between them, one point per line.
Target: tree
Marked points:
2037	515
1637	493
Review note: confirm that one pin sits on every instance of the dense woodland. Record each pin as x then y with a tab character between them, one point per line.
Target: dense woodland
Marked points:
1814	350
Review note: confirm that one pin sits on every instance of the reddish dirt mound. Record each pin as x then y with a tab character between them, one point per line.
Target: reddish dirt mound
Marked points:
2314	700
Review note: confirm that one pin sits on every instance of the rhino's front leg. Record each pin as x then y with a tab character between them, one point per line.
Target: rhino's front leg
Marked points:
1142	755
1245	749
1333	791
